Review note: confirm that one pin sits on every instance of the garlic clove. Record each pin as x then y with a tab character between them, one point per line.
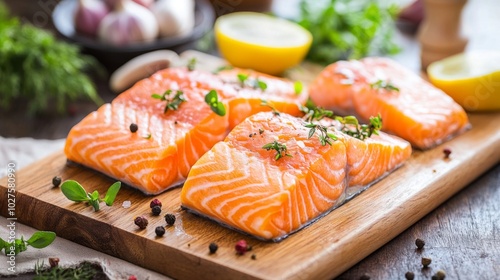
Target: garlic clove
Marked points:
174	17
88	16
128	23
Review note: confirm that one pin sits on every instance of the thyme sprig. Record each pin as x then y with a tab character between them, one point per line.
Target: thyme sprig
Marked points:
351	126
172	103
324	136
281	149
266	103
314	113
387	85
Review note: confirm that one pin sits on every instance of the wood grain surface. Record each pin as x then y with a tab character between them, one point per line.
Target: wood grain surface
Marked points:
321	251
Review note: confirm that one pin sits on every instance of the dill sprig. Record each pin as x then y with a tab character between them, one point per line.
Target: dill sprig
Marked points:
281	149
387	85
351	126
172	103
325	137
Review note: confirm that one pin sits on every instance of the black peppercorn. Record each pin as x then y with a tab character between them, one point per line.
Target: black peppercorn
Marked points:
426	262
409	275
170	219
213	248
160	231
254	257
156	210
420	243
56	181
141	222
364	277
133	127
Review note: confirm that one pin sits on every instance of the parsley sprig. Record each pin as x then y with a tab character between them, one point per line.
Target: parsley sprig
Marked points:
325	137
172	103
213	101
387	85
351	126
281	149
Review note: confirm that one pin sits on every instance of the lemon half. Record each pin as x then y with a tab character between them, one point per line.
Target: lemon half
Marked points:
471	79
261	42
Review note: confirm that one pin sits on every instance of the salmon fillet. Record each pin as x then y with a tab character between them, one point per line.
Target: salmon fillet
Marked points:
242	185
410	107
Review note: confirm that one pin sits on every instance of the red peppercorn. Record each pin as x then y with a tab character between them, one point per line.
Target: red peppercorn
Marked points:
447	152
241	247
53	262
155	202
141	222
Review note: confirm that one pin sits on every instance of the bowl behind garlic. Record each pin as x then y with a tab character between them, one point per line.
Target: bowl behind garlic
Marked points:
113	54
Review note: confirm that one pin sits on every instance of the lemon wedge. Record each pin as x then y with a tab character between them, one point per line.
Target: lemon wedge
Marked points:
471	79
261	42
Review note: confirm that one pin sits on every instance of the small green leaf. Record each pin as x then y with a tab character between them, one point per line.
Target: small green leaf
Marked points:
223	68
191	64
111	193
242	78
94	195
156	96
95	204
3	244
20	245
262	85
41	239
298	87
211	97
220	109
74	191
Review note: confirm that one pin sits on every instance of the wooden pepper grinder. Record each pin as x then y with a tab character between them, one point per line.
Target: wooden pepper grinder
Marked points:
439	34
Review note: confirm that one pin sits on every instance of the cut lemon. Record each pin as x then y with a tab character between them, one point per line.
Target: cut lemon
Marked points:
261	42
471	79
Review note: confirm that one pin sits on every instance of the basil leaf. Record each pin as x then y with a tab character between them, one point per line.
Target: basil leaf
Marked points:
95	204
74	191
94	195
20	246
111	193
41	239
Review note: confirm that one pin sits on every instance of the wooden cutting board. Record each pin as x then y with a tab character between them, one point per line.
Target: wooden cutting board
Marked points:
321	251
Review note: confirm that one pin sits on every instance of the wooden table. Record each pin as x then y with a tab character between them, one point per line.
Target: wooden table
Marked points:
462	235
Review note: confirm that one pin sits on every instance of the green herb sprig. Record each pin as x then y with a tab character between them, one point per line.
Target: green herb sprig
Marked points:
266	103
325	137
39	240
222	68
255	83
351	126
298	87
314	113
192	64
281	149
84	270
212	100
387	85
75	192
172	103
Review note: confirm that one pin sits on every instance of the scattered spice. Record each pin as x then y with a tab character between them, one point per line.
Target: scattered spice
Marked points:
141	222
160	231
241	247
250	135
440	275
170	219
261	131
155	202
254	257
409	275
56	181
133	127
156	210
53	262
426	262
420	243
447	153
365	277
213	248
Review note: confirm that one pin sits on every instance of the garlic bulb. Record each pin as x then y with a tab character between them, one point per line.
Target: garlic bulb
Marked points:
89	15
174	17
128	23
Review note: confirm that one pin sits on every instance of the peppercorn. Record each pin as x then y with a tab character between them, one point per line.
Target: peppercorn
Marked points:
160	231
56	181
426	262
53	262
133	127
254	257
141	222
170	219
364	277
213	248
420	243
155	202
409	275
447	153
241	247
156	210
440	275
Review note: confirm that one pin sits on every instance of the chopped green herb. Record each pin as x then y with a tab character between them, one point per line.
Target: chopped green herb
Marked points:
265	103
281	149
222	68
174	102
242	78
298	87
260	84
324	136
255	83
191	64
39	240
213	101
387	85
147	136
75	192
351	126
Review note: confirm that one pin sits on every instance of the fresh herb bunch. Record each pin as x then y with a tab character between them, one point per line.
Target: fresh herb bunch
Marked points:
281	149
172	103
351	126
344	29
85	270
39	240
37	69
75	192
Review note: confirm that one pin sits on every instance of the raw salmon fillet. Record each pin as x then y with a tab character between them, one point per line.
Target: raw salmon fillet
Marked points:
160	154
416	111
243	186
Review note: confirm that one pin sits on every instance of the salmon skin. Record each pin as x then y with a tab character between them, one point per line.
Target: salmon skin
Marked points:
160	153
241	185
411	107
